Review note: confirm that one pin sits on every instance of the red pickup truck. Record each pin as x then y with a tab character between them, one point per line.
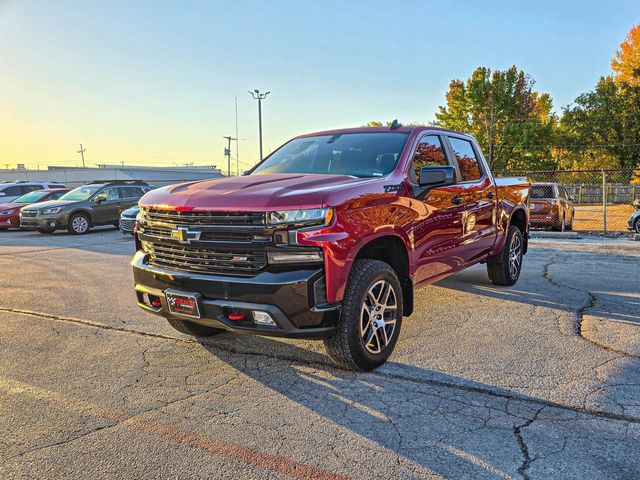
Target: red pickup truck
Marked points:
328	238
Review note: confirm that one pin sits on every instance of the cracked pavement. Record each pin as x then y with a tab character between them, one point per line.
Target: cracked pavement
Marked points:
540	380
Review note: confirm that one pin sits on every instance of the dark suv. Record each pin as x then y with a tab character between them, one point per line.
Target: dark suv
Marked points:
97	203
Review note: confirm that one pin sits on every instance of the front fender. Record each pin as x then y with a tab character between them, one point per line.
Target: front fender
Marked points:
351	231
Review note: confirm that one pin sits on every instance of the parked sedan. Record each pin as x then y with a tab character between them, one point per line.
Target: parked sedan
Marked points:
10	211
128	220
550	207
634	219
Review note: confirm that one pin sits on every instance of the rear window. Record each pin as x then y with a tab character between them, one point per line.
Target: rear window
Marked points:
542	191
356	154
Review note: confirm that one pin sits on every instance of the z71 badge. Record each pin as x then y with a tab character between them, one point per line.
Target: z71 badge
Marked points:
392	188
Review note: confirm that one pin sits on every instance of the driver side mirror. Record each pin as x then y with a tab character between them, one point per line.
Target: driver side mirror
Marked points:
101	197
437	176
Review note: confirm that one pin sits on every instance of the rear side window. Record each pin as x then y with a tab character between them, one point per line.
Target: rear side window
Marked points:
466	158
542	191
429	153
131	192
31	188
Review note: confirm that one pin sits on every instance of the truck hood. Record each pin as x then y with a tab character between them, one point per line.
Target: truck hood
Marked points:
251	192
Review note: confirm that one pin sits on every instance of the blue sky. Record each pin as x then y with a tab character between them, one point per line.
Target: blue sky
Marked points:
154	82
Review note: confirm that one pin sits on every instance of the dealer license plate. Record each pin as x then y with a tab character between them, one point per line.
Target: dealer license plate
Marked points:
183	303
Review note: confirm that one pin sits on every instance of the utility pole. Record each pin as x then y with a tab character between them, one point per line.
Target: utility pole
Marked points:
81	152
259	96
237	143
227	152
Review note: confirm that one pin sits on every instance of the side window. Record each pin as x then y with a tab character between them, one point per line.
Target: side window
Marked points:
30	188
55	196
466	158
429	153
111	193
13	191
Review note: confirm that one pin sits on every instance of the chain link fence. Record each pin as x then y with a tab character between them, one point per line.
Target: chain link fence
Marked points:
600	201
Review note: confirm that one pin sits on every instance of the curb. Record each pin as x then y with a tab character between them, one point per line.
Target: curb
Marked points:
558	235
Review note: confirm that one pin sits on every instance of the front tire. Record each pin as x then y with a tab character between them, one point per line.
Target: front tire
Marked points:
504	268
79	224
193	329
371	317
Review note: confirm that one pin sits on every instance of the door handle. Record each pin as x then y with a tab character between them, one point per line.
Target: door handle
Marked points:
491	195
457	200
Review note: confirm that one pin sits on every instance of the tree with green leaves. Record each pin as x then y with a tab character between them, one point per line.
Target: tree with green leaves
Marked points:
513	123
605	123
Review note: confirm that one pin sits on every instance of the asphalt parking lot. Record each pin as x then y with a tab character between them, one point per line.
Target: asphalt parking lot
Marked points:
540	380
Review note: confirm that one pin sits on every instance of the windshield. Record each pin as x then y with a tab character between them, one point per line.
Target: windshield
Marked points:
357	154
542	191
81	193
31	197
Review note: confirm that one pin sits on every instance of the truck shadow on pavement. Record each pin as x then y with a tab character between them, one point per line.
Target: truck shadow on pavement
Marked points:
441	426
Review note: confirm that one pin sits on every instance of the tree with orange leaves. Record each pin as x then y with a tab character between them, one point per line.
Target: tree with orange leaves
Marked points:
626	63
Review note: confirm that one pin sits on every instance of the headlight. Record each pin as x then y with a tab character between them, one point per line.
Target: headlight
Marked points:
309	216
8	212
51	211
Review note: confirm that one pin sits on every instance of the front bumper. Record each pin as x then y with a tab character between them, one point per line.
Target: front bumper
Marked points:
9	221
289	296
43	222
127	224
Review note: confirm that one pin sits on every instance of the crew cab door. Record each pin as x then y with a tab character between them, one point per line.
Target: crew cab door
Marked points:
437	229
478	194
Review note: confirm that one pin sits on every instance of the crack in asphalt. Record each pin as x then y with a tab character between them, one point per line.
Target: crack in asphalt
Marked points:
517	431
388	376
582	310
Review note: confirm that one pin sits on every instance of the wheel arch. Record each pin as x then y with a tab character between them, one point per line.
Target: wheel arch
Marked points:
85	212
519	219
392	250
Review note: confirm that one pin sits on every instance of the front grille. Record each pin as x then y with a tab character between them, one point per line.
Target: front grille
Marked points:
127	224
207	261
29	213
211	236
205	218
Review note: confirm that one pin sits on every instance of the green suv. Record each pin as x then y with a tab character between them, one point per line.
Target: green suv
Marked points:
97	203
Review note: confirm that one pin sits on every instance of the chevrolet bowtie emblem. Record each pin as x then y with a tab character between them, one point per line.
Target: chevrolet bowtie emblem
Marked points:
184	235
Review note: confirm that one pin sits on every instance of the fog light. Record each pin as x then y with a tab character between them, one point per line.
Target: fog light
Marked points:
52	224
263	318
284	257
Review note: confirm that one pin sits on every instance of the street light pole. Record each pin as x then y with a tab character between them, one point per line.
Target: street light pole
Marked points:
259	96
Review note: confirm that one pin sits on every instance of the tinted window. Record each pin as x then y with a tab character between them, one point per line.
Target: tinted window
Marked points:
55	196
357	154
542	191
429	152
131	192
31	188
466	158
13	191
